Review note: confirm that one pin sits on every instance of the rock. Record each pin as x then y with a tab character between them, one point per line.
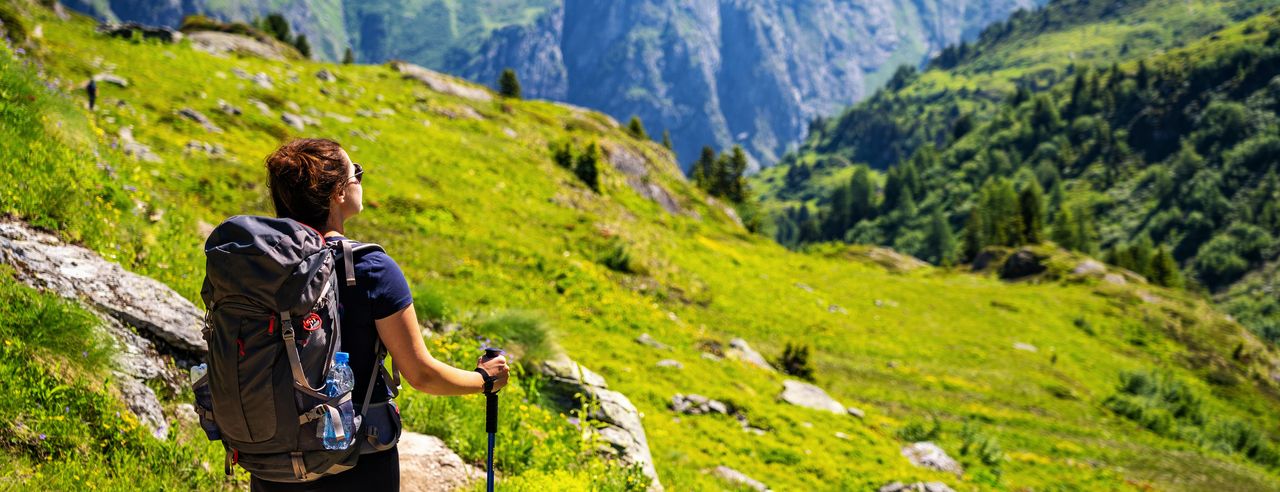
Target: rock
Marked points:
929	455
1114	279
622	430
213	150
133	148
200	118
916	487
856	412
711	357
739	349
227	108
697	405
262	107
803	286
326	76
510	133
645	339
1026	347
142	401
1090	268
263	81
1148	297
1022	263
41	260
809	396
738	478
128	29
293	120
111	78
427	465
440	83
186	414
835	308
221	43
670	363
339	118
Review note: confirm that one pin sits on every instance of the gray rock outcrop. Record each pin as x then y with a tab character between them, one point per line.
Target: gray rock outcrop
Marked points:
134	148
623	429
929	455
200	118
145	319
916	487
439	82
738	478
809	396
741	350
427	465
221	43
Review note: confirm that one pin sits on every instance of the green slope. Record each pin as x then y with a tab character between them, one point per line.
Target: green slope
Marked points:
483	222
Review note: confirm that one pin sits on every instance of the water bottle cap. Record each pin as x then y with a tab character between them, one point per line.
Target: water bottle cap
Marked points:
340	357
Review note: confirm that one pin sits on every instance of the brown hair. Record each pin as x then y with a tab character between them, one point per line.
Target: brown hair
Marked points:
304	175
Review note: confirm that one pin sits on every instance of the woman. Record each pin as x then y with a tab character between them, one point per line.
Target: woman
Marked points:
314	182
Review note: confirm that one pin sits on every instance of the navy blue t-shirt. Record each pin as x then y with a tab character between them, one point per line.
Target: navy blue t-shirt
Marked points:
380	291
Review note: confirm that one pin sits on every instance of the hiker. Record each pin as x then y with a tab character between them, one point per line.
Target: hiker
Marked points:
92	89
314	182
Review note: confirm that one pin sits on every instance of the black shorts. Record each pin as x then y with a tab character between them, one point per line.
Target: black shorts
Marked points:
373	473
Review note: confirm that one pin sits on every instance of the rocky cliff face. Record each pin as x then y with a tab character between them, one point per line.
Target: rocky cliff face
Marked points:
724	72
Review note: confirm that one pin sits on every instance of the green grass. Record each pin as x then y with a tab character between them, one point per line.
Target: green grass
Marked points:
485	223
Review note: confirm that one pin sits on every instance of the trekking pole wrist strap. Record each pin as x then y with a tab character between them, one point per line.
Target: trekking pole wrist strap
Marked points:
488	380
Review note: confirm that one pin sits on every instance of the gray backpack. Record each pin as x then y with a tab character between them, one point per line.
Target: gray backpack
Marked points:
272	328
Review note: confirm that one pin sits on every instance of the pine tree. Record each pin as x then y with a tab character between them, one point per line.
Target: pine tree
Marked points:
1164	269
1143	254
562	153
862	196
1031	206
974	232
940	242
348	57
736	183
636	128
666	139
508	84
704	169
587	168
276	25
1064	231
303	46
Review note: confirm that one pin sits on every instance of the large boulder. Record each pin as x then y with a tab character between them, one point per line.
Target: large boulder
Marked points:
145	319
427	465
739	479
439	82
1022	263
809	396
741	350
45	262
929	455
622	430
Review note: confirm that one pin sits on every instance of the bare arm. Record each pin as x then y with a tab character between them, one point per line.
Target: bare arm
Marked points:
399	332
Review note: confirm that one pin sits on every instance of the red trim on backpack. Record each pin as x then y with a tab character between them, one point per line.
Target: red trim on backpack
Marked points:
240	343
314	230
235	456
271	326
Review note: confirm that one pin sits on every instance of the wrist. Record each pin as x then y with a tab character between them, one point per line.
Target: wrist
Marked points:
486	380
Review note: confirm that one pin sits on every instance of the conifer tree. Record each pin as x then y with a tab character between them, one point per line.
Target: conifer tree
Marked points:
508	84
1143	256
1164	269
974	232
303	46
586	167
276	25
704	169
940	242
862	196
735	180
1031	207
666	139
348	57
636	128
1064	229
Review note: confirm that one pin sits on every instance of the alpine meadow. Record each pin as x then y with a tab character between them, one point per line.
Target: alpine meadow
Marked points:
1041	259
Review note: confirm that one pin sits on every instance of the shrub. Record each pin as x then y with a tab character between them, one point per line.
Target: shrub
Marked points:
509	85
795	361
616	255
916	431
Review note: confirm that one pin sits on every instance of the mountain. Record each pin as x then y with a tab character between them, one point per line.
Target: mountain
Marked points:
719	73
1140	148
425	32
1082	377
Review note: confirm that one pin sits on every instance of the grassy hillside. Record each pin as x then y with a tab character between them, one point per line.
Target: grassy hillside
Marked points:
487	226
1173	150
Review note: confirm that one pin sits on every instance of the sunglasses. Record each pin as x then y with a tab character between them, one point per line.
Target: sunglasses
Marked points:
359	175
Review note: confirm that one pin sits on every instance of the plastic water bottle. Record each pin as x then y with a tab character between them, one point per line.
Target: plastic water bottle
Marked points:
340	380
198	372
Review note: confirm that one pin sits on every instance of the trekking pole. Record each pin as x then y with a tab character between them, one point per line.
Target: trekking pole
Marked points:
490	417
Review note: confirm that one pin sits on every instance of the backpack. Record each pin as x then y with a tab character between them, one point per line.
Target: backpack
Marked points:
272	329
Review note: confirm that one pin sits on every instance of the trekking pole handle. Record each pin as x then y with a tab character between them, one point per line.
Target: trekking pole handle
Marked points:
491	398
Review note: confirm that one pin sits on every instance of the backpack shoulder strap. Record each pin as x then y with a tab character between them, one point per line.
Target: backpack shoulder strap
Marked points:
349	249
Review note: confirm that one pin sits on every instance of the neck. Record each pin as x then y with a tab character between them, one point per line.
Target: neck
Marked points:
333	227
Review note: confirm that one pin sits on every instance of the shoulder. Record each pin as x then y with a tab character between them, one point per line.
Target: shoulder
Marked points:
375	263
